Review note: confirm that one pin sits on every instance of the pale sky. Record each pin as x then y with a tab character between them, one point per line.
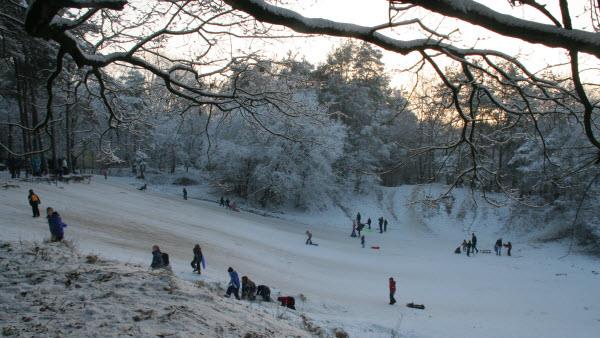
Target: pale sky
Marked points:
374	12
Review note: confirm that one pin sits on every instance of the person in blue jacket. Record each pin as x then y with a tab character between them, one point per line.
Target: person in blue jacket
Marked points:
234	284
56	225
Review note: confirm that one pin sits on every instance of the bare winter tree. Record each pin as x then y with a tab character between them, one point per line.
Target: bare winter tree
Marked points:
184	44
480	81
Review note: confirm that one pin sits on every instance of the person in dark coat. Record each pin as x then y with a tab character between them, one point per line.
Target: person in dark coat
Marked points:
34	201
457	251
56	225
222	202
359	228
248	289
234	284
508	247
11	163
392	286
184	193
474	244
157	258
197	261
287	301
469	248
380	225
369	223
362	241
358	218
227	203
498	247
385	225
264	292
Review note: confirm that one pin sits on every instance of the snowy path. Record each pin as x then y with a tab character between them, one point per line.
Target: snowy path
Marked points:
484	296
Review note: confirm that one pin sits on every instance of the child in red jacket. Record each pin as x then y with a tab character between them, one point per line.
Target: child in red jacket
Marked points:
392	291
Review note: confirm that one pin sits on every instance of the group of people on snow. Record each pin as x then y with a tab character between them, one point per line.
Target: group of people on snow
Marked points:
358	227
55	223
226	203
470	247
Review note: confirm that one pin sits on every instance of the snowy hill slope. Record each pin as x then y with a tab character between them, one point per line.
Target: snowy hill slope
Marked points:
532	294
47	289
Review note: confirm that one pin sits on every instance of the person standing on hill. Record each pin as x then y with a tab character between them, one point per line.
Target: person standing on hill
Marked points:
380	225
56	225
362	241
469	245
392	286
184	193
358	218
222	202
385	225
234	284
369	223
474	243
198	258
508	247
498	247
34	201
308	237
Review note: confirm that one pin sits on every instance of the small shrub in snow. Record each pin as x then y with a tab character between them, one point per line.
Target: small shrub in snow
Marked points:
185	181
340	333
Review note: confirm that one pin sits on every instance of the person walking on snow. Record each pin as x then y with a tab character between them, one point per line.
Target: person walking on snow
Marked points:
234	284
385	225
469	248
358	218
34	201
56	225
362	241
184	193
198	259
380	225
498	247
474	243
353	234
222	202
369	223
392	291
308	237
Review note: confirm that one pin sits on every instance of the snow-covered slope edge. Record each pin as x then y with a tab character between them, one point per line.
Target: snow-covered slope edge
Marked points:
49	289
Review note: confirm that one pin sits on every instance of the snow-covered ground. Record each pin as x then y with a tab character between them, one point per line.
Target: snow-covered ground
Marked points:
534	293
48	290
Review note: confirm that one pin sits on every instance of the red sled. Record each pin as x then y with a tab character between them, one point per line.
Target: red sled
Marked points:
376	247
